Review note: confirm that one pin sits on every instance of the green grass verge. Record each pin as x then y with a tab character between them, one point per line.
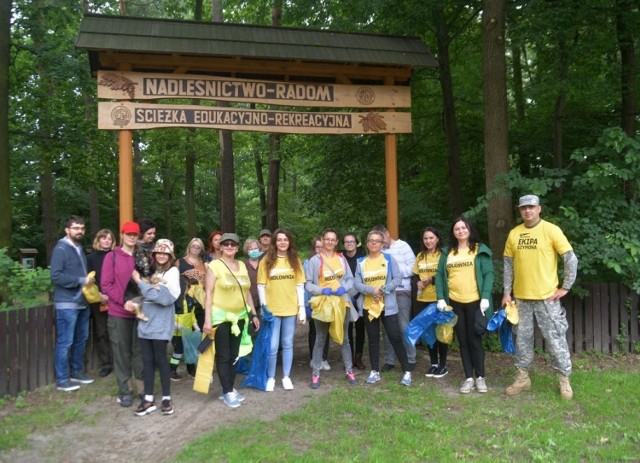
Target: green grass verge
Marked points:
430	421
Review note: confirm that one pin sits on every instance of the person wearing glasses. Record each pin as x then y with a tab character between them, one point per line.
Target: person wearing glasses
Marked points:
352	252
377	277
189	311
69	275
316	248
228	308
281	289
328	274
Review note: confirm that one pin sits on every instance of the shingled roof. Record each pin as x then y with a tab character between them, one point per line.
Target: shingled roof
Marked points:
160	45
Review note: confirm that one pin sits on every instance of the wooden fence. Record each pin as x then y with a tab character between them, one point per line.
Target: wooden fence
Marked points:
606	321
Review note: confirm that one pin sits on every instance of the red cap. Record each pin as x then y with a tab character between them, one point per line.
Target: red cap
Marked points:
130	227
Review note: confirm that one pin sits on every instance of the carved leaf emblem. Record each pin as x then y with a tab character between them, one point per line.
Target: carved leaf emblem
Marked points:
119	82
373	122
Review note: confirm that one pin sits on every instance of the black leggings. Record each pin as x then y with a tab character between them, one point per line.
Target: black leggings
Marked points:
227	348
154	355
358	343
471	349
438	353
392	328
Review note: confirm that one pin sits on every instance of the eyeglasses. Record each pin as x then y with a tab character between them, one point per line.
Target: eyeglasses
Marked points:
374	241
195	246
349	242
229	244
77	228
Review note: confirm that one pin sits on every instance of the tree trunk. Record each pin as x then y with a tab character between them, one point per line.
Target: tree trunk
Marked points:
496	126
261	193
450	123
518	92
48	201
5	183
167	187
628	88
558	111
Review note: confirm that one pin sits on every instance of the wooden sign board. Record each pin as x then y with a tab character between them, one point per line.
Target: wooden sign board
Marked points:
142	86
130	116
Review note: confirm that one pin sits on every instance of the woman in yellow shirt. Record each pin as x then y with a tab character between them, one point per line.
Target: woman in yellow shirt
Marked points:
425	268
228	306
281	289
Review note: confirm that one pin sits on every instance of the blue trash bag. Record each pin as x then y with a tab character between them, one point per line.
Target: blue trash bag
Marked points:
497	320
506	338
257	375
242	365
423	326
190	341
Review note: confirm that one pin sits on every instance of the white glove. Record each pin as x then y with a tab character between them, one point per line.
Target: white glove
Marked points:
442	304
302	314
484	305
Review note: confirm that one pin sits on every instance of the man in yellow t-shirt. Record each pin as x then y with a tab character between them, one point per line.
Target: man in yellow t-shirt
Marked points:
531	270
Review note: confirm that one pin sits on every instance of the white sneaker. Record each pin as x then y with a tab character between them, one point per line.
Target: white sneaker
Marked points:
374	377
481	385
325	365
287	384
271	383
466	386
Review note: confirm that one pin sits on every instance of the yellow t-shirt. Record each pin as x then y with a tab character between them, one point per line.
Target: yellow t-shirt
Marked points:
226	293
374	273
280	286
535	259
425	267
327	278
461	276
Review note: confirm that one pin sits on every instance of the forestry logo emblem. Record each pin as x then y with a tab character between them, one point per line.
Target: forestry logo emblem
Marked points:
365	96
121	115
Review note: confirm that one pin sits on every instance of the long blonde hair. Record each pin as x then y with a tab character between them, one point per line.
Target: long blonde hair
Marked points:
101	234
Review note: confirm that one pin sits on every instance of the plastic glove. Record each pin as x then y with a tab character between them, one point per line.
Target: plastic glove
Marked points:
484	305
442	305
326	292
340	291
302	315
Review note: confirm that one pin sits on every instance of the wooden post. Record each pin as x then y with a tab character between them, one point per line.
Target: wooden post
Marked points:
125	168
391	168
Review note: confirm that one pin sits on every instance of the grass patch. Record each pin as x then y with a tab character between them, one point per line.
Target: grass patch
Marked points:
431	422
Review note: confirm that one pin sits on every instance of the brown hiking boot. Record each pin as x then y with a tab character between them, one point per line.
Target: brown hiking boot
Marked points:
522	383
565	388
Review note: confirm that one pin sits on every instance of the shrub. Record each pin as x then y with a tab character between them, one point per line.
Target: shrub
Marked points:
22	287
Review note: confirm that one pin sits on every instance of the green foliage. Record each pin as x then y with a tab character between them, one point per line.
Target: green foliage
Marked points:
21	287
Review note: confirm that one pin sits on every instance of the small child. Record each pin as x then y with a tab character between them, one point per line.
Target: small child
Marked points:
157	330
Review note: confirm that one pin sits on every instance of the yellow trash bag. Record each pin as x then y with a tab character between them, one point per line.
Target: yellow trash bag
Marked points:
336	327
444	332
91	291
204	369
511	309
322	307
196	291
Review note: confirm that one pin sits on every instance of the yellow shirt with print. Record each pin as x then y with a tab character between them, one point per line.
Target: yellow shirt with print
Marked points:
374	273
226	293
535	253
280	286
425	267
327	278
461	275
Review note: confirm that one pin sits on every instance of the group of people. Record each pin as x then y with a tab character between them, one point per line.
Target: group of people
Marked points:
211	290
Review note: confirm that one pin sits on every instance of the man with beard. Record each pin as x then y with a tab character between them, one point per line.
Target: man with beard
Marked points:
69	275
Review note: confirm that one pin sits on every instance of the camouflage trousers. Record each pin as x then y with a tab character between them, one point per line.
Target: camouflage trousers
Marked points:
552	321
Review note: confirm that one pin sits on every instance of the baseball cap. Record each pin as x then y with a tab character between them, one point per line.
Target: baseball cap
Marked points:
529	200
129	228
230	237
264	231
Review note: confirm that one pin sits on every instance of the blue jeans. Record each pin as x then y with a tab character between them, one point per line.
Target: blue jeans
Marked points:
283	328
72	332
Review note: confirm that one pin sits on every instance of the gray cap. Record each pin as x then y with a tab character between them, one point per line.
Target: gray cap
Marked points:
230	237
529	200
264	231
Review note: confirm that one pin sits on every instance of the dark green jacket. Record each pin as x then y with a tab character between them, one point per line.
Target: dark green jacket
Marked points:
483	265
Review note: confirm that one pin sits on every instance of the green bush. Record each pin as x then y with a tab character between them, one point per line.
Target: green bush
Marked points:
21	287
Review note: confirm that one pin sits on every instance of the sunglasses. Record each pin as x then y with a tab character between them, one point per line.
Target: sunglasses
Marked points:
229	244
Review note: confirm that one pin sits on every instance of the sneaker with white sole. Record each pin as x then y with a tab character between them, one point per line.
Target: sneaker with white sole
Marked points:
287	384
481	385
271	384
240	396
406	379
325	365
431	371
466	386
351	378
145	408
231	399
374	377
441	372
67	386
81	378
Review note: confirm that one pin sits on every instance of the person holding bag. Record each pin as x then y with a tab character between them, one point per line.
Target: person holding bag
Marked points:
281	290
229	307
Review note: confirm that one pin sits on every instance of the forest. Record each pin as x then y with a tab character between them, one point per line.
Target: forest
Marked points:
530	96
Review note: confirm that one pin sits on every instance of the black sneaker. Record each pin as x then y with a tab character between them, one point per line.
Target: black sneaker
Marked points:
125	400
387	367
431	371
175	376
67	386
441	371
145	408
81	378
167	407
